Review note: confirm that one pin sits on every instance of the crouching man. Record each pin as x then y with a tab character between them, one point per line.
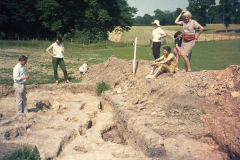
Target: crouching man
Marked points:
20	77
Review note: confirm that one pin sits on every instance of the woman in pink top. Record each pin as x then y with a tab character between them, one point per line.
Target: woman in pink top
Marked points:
189	37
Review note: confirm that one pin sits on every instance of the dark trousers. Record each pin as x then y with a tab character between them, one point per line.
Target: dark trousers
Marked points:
60	62
156	49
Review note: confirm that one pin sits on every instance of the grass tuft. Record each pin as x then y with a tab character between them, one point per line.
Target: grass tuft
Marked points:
101	87
22	153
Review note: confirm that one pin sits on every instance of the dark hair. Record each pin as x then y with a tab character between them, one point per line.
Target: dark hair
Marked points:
168	49
23	58
58	38
177	33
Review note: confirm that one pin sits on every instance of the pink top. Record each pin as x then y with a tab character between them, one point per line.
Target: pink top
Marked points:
190	27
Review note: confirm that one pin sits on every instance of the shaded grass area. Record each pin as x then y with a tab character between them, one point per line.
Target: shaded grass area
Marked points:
206	56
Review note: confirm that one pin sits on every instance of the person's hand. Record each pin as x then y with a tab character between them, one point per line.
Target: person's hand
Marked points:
183	11
153	64
54	54
159	38
151	47
27	77
196	38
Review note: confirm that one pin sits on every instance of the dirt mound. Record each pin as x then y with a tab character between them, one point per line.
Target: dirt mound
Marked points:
203	106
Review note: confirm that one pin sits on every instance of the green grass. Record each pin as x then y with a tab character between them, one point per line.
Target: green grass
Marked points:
203	111
215	55
101	87
22	153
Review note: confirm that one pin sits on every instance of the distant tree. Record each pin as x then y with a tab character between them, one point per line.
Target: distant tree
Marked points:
138	20
94	16
228	10
147	19
161	16
199	9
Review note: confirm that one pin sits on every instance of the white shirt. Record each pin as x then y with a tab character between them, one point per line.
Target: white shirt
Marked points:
18	73
83	68
157	33
57	50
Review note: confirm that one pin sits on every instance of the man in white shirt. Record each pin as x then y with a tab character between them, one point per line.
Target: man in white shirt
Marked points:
20	78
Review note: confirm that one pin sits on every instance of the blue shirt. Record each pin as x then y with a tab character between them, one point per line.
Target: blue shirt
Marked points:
177	41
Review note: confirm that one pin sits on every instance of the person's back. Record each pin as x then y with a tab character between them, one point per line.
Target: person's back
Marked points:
83	68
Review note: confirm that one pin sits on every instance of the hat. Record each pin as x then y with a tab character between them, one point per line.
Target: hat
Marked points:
156	22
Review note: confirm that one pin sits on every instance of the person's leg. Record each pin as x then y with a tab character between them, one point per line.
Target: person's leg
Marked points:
151	72
157	71
177	60
19	97
158	51
187	63
24	96
55	66
154	50
63	67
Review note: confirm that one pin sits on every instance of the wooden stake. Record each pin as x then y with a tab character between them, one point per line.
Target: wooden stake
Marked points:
134	59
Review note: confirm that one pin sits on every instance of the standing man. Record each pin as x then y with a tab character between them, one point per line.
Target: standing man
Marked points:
20	78
157	34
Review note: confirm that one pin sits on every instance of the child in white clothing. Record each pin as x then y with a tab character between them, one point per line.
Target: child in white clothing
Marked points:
84	68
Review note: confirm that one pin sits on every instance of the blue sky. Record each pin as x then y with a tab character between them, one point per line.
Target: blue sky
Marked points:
148	6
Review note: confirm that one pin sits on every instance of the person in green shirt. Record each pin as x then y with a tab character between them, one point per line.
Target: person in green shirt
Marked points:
168	64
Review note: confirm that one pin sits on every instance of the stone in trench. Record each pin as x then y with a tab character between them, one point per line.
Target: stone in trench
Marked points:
235	94
119	91
135	101
143	100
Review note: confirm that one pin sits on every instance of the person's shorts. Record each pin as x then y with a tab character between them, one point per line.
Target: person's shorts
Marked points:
165	68
176	50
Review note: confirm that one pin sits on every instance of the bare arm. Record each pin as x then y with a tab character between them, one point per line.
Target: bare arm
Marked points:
200	31
62	48
163	35
152	44
177	20
168	59
159	59
26	77
179	50
48	51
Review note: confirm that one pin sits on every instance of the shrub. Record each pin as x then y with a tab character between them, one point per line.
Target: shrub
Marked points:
102	87
22	153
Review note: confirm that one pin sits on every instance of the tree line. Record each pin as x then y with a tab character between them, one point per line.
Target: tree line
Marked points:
79	19
204	11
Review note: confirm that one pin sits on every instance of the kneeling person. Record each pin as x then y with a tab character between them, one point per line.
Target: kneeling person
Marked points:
84	68
168	64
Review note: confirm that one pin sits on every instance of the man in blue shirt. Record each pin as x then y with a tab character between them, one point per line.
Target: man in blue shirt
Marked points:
20	78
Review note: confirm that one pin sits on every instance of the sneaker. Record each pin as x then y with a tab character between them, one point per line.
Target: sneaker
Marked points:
176	69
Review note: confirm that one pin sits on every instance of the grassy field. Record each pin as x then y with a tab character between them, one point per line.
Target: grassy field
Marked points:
206	56
144	33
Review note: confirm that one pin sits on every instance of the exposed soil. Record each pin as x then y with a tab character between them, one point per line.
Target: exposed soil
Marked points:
175	116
